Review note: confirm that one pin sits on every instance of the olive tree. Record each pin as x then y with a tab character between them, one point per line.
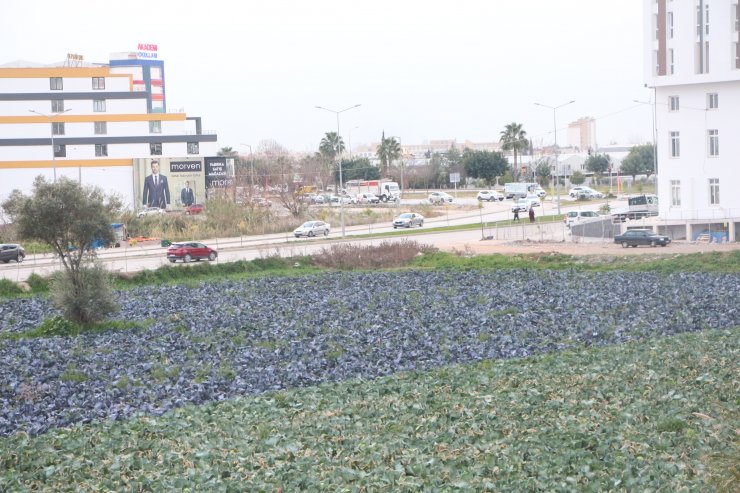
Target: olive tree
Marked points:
70	218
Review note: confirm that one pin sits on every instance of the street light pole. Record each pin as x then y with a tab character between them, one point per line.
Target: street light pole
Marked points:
555	130
339	162
53	152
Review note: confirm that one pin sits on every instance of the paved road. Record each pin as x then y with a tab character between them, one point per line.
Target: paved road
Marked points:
142	256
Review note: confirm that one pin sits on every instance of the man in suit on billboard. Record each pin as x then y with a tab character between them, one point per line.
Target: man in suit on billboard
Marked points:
156	188
187	196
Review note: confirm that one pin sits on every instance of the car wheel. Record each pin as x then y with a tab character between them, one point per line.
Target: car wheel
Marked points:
310	233
421	224
326	232
19	259
395	227
187	259
212	256
664	244
172	260
409	225
625	244
6	261
653	244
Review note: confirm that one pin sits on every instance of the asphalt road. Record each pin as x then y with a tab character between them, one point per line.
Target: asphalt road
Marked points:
142	256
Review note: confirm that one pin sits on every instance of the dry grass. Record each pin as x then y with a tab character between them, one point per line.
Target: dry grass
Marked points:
388	254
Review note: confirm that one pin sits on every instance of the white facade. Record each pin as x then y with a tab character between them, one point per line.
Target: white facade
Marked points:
693	63
98	124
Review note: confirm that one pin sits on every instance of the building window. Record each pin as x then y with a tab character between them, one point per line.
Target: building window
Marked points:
737	54
55	83
155	127
670	25
670	61
155	148
706	18
675	193
99	105
714	191
101	128
57	105
57	128
193	148
101	150
673	103
702	21
712	101
60	150
713	142
98	82
675	144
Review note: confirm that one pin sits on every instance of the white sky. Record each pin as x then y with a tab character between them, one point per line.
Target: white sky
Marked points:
422	70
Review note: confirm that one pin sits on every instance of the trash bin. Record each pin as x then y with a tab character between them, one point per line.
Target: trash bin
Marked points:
165	243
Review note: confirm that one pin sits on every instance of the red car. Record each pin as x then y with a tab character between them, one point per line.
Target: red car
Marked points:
194	209
187	252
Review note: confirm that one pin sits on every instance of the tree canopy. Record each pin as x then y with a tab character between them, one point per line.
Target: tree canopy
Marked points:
639	161
598	163
484	164
331	146
388	151
514	138
357	169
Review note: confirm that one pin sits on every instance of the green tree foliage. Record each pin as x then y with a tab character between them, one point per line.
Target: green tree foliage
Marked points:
388	151
486	165
514	139
69	218
357	169
598	163
543	172
639	161
331	146
577	178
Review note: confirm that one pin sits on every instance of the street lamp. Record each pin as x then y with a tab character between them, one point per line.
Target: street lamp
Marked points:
251	161
555	129
53	152
339	160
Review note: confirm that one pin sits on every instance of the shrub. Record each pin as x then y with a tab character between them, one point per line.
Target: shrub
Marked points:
84	296
38	284
388	254
9	288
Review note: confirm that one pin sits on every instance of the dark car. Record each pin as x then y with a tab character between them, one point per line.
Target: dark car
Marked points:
189	251
636	237
11	251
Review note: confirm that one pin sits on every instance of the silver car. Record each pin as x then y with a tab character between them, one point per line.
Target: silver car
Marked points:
312	228
408	220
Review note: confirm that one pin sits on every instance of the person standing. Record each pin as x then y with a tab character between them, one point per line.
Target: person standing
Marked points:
531	214
156	188
187	196
516	213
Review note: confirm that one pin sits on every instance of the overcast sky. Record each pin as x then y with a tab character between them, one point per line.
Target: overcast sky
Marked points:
421	70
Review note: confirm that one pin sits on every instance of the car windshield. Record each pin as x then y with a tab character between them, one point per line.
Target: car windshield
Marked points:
405	215
308	224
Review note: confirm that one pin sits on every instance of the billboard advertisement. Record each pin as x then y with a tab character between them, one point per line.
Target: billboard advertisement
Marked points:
169	183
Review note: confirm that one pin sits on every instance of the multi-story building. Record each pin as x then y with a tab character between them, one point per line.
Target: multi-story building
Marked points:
582	134
101	124
693	64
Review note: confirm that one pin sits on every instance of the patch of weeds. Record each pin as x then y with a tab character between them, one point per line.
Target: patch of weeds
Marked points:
9	288
59	326
671	425
161	373
73	374
226	371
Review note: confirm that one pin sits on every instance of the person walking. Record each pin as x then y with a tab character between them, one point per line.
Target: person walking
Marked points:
516	214
531	214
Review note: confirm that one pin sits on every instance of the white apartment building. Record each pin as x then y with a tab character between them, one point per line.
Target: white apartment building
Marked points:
101	124
582	134
693	64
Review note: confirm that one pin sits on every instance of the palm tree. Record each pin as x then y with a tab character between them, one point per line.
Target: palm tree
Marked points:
331	146
227	152
388	150
514	139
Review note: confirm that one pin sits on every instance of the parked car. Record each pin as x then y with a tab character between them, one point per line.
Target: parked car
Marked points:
318	199
12	251
367	198
490	195
540	192
584	192
346	199
523	205
636	237
189	251
194	209
151	211
440	198
312	228
572	217
408	220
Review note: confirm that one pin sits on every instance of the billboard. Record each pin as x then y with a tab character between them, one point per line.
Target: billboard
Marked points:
169	183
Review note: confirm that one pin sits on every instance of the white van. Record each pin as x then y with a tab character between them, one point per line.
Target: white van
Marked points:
573	217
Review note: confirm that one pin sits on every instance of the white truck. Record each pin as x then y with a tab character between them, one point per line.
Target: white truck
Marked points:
386	190
520	190
639	207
